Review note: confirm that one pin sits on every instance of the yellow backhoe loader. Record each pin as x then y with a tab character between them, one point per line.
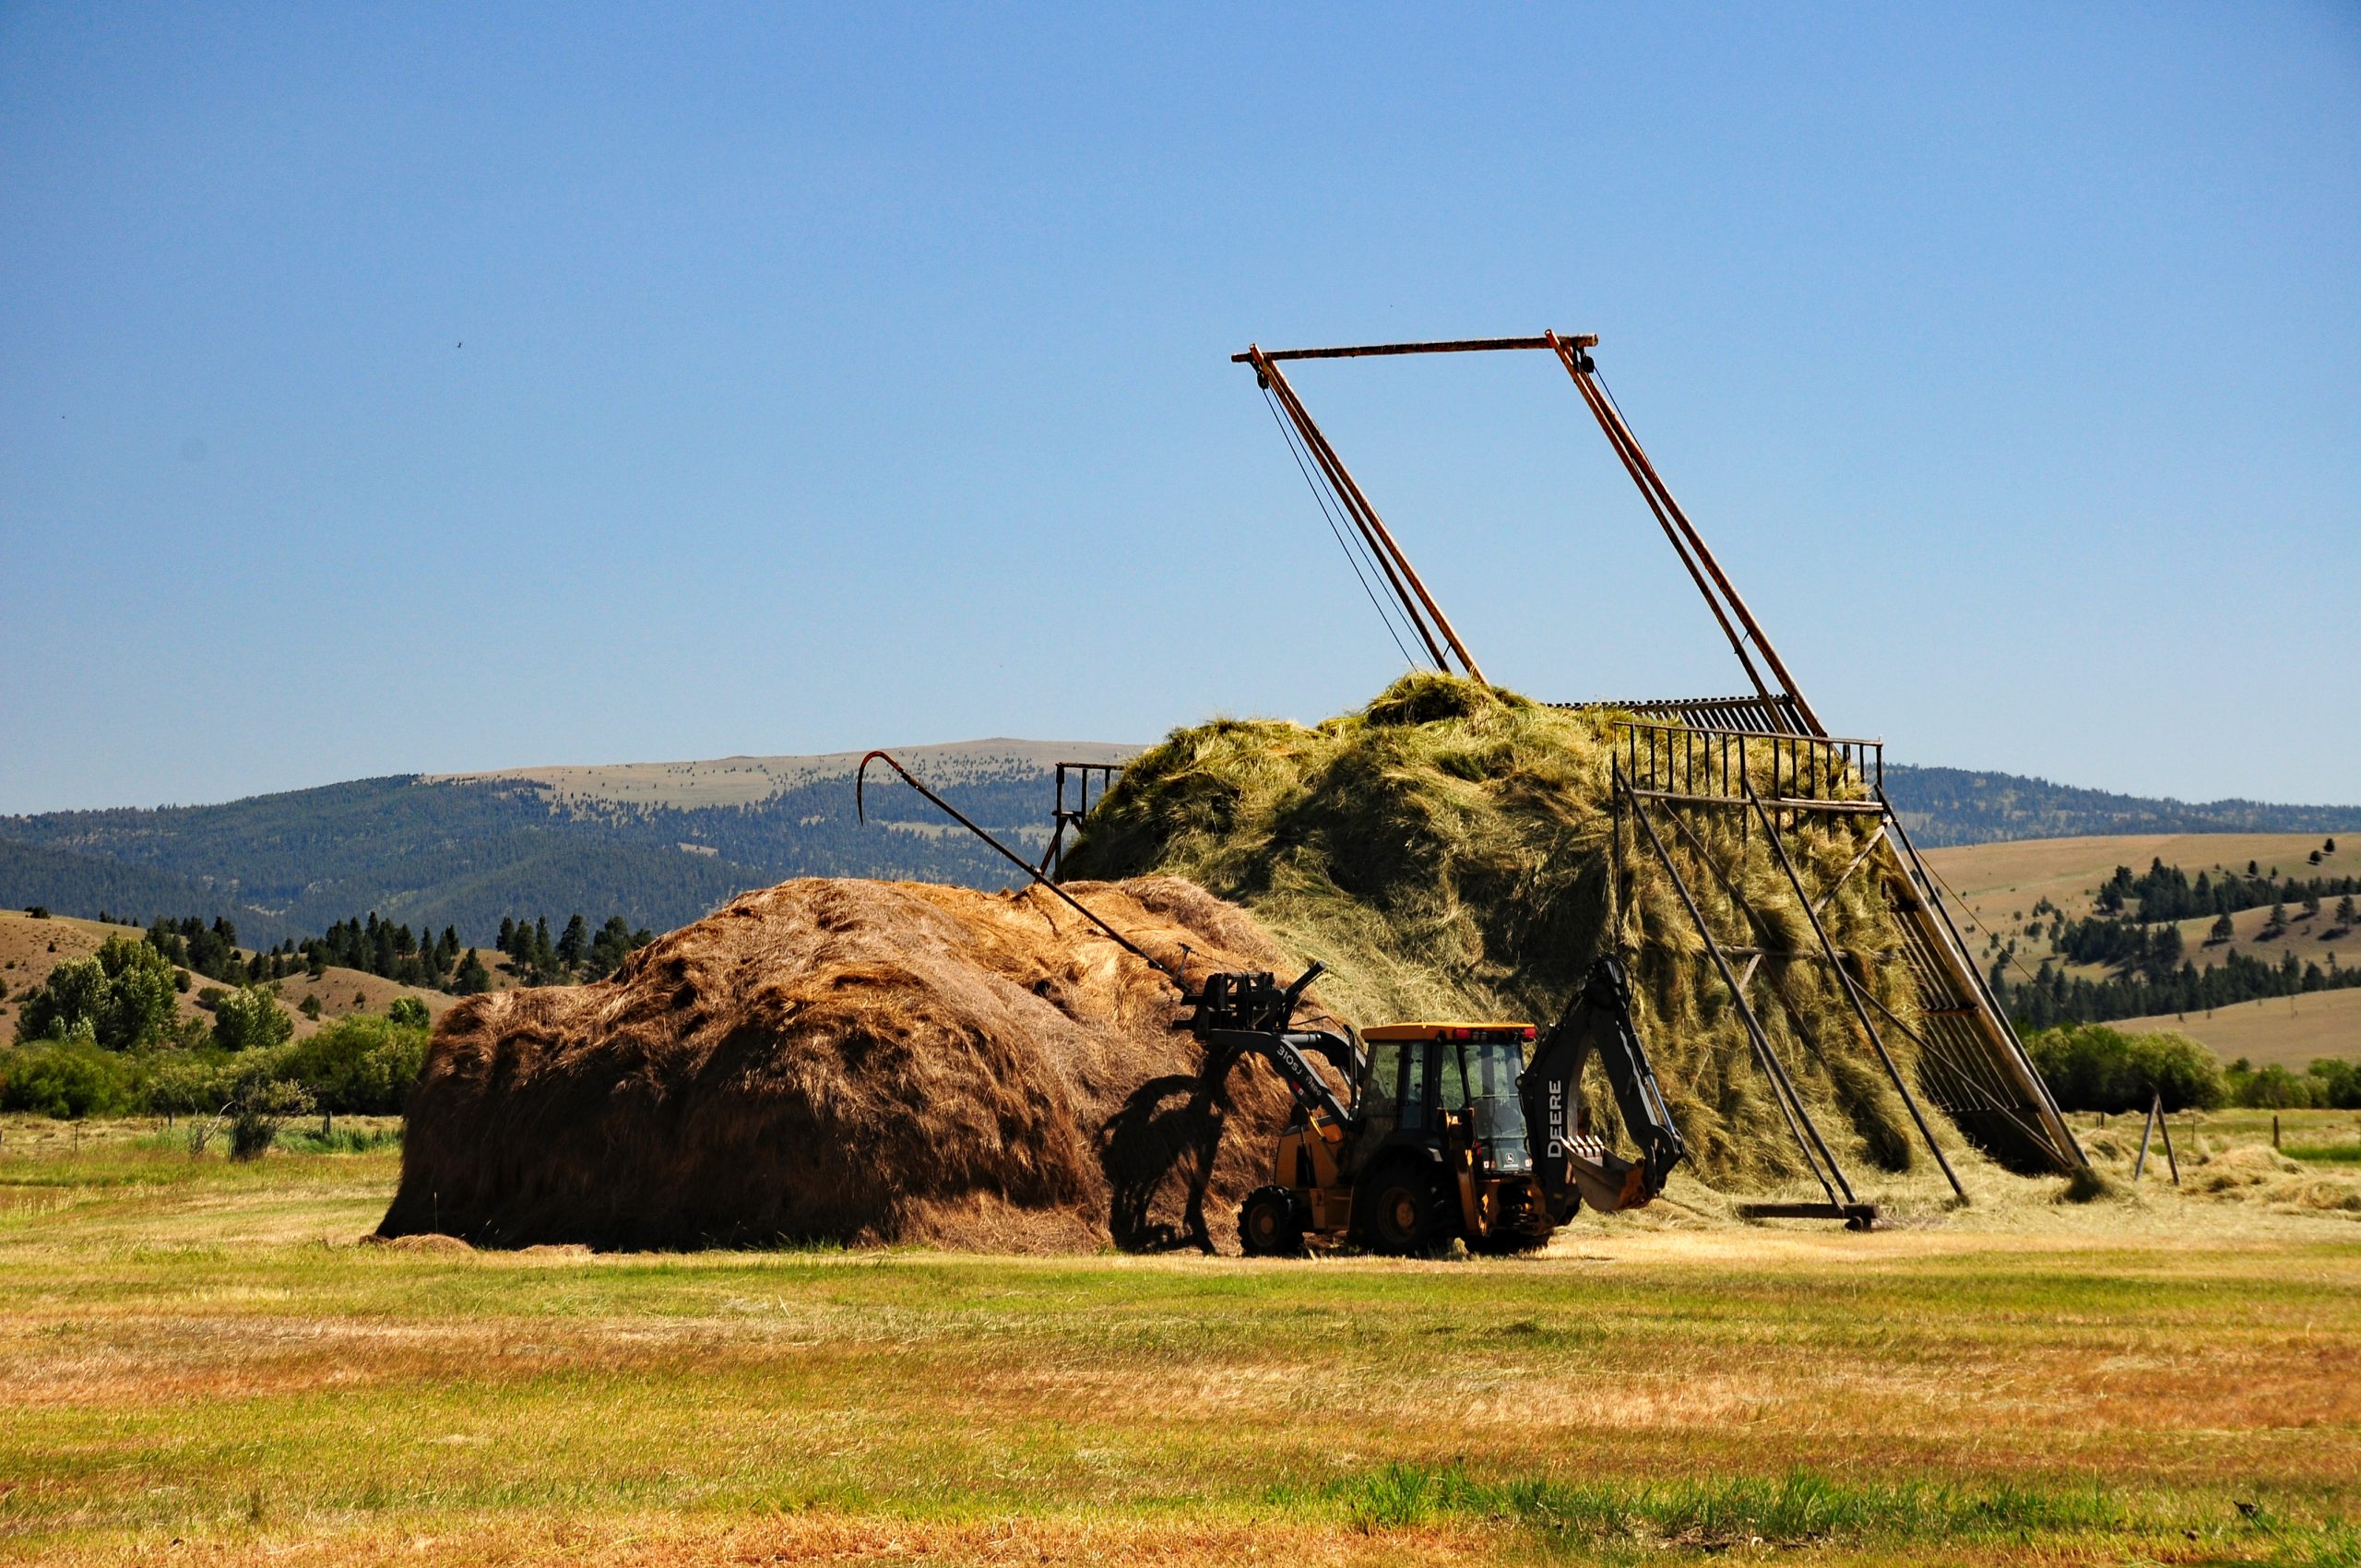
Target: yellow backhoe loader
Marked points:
1446	1131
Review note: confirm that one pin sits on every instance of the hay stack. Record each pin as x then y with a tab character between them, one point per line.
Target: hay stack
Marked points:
1444	851
857	1061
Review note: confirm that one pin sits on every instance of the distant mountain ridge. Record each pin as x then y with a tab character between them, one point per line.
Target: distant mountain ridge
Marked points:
465	851
1957	805
661	843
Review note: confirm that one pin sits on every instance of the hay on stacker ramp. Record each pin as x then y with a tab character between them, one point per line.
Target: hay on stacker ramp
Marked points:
857	1061
1445	851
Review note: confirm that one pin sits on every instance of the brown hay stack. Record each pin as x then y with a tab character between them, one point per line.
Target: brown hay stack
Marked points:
856	1061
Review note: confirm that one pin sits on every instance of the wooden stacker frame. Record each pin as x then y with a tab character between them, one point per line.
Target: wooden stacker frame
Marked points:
1682	757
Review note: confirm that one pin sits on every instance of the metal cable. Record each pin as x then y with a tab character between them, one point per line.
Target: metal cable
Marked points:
1295	451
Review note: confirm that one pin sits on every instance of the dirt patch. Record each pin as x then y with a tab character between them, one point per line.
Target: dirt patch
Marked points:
855	1062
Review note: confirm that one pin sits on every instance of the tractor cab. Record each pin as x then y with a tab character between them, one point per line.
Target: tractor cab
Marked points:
1450	1084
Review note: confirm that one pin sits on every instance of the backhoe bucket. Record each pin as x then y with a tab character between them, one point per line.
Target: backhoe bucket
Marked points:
1574	1166
1607	1182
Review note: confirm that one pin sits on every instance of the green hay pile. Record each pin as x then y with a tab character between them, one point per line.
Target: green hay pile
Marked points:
1446	852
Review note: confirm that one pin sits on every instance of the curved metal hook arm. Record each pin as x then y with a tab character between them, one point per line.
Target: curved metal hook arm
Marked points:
859	782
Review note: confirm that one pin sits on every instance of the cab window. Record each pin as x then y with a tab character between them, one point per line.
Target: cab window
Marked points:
1452	1090
1380	1105
1414	1084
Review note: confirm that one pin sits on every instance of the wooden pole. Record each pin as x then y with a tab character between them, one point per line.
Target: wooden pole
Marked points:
1653	482
2147	1130
1366	514
1844	983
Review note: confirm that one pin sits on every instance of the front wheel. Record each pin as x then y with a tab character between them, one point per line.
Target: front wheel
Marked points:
1269	1225
1408	1215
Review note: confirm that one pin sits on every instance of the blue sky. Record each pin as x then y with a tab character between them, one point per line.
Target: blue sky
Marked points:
390	389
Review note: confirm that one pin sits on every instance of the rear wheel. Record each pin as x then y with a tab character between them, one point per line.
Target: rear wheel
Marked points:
1409	1213
1269	1226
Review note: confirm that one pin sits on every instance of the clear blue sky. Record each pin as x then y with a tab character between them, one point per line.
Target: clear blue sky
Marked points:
833	379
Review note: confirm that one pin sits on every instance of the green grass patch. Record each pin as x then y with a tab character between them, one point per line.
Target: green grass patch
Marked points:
340	1140
1807	1507
2324	1154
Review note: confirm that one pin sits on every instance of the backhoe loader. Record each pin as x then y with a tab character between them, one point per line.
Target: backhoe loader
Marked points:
1447	1130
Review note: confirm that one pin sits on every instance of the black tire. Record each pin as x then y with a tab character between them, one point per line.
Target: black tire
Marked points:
1407	1213
1269	1225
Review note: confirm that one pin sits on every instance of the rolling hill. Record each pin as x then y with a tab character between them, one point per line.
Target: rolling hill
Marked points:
1955	806
1997	885
662	842
659	843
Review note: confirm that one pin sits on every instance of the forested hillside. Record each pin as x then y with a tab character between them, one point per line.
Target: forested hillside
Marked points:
431	853
467	852
1954	805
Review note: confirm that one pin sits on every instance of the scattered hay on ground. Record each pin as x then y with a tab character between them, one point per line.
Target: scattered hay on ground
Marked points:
850	1061
2213	1169
429	1241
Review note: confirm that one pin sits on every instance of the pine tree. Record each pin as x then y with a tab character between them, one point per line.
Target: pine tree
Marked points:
472	979
570	946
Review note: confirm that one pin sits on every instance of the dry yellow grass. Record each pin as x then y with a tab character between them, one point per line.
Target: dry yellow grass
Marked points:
2292	1031
196	1353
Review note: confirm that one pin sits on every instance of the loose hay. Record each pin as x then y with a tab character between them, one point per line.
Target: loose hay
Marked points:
857	1061
1445	851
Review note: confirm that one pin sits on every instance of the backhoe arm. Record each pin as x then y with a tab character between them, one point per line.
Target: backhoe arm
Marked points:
1574	1166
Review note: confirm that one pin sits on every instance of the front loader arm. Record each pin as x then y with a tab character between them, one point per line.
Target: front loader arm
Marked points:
1290	1052
1574	1166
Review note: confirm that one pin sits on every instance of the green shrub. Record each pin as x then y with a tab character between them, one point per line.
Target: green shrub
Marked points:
250	1018
409	1013
2339	1083
2275	1088
2093	1067
121	998
263	1105
176	1084
65	1078
359	1066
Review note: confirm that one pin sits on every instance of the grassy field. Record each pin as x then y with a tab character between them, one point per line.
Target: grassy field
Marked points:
201	1361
